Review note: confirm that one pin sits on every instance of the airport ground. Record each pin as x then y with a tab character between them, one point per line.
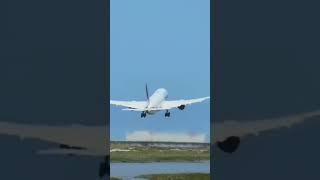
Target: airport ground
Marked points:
159	152
186	176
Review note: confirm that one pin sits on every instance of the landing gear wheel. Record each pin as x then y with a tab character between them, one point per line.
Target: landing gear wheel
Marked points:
143	114
167	114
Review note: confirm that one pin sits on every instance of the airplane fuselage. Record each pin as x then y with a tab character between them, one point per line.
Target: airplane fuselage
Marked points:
156	99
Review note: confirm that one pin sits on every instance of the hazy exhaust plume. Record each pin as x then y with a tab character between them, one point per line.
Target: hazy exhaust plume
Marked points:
165	137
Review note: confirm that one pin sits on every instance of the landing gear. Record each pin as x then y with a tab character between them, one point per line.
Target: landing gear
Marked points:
143	114
167	114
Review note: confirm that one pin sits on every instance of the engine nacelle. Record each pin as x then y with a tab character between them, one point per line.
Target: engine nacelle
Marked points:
181	107
229	145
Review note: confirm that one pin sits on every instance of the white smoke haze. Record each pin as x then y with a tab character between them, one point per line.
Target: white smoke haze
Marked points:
225	129
165	137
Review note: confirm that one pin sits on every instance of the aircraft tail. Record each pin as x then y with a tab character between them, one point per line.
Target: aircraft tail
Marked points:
147	93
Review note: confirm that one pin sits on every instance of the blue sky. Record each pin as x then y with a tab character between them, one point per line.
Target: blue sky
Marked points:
165	43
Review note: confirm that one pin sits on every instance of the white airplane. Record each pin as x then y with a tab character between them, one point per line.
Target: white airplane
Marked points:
155	103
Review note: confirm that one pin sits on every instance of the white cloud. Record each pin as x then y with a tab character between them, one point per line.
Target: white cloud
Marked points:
164	137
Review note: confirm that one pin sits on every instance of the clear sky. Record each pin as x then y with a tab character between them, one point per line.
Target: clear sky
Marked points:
165	43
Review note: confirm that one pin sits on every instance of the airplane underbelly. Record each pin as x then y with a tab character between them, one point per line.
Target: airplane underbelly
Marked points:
151	112
155	102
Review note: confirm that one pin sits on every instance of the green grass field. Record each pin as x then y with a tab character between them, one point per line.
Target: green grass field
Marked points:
146	154
187	176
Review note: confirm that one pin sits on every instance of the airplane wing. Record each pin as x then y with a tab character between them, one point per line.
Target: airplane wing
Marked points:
130	104
174	104
71	140
227	134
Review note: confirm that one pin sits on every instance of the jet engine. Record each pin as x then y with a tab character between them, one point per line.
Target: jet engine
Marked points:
181	107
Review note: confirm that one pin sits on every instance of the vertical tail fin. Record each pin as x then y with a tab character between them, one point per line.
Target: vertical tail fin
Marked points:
147	93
